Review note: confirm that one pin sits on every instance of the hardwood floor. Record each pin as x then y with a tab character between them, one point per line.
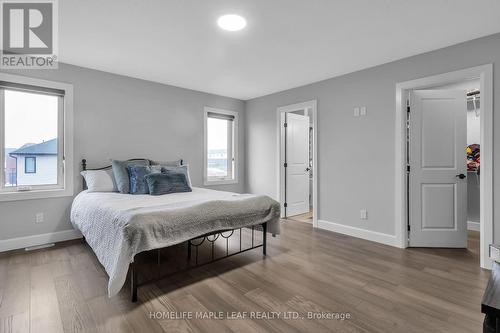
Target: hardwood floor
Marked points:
383	289
306	217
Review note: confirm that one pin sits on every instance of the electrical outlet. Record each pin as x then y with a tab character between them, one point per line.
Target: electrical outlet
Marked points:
362	111
39	217
356	112
363	214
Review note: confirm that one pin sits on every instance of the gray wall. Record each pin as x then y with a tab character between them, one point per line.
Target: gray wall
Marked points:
121	117
356	155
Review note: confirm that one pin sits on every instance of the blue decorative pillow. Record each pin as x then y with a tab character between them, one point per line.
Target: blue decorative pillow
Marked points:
166	183
120	173
138	184
184	169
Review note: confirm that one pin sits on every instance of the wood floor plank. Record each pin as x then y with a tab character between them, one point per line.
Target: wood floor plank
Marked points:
190	304
106	317
75	313
216	303
272	304
17	323
136	314
3	276
45	315
160	307
241	304
16	295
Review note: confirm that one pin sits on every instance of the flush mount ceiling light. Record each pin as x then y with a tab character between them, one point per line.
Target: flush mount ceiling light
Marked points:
231	22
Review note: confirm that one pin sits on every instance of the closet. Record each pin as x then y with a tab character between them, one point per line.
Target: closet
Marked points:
473	156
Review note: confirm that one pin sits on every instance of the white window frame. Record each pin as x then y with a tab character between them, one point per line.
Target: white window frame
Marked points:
65	141
233	146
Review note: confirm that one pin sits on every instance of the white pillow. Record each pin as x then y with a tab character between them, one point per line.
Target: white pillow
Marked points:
99	180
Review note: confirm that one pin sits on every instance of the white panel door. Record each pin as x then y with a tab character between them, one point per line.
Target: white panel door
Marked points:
297	161
437	157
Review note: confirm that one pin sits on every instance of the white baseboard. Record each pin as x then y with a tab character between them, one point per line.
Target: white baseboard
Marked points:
373	236
473	226
35	240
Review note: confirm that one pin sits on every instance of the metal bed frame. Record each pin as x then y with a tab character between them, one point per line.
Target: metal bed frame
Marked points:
195	242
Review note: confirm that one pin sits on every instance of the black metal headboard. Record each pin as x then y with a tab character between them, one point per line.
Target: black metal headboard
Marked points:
84	167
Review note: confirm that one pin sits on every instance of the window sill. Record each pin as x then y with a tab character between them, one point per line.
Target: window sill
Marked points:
35	194
220	182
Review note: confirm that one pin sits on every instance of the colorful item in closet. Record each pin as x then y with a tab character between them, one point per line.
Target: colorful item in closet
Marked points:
473	157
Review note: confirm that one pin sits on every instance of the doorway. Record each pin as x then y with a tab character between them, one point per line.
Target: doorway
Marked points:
297	184
444	157
420	192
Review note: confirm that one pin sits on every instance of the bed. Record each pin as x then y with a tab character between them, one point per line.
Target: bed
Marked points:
119	227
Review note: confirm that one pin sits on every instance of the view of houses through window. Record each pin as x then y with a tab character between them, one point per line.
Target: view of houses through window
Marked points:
217	147
221	133
31	145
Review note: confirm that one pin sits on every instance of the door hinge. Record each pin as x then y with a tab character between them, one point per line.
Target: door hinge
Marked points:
285	124
285	205
408	227
408	168
285	165
408	109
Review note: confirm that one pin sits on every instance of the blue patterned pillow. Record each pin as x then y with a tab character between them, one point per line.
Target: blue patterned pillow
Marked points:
138	184
166	183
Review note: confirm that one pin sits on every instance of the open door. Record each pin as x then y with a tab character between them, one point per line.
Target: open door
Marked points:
437	169
297	164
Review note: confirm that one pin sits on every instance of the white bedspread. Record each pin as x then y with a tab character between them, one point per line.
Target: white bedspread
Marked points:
118	226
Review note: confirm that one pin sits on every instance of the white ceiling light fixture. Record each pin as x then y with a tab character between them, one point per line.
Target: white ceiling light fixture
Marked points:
232	22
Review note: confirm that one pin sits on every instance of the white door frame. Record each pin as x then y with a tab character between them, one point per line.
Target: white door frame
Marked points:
485	75
311	106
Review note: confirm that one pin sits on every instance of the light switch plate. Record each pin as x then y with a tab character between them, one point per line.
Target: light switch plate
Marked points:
363	214
356	112
362	111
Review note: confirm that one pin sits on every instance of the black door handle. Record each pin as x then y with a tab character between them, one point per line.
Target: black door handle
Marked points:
307	169
461	176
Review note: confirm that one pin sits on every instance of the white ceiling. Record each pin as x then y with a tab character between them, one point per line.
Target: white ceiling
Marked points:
287	43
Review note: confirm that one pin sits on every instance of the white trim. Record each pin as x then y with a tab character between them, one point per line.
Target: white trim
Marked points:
219	182
485	74
234	145
67	142
312	107
373	236
475	226
36	240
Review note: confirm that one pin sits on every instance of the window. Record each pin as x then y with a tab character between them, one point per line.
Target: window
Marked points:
36	148
30	164
221	145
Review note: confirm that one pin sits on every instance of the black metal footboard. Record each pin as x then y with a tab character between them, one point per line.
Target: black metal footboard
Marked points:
196	243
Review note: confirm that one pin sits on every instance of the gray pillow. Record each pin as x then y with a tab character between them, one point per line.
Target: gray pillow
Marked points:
184	169
120	173
137	173
167	163
166	183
